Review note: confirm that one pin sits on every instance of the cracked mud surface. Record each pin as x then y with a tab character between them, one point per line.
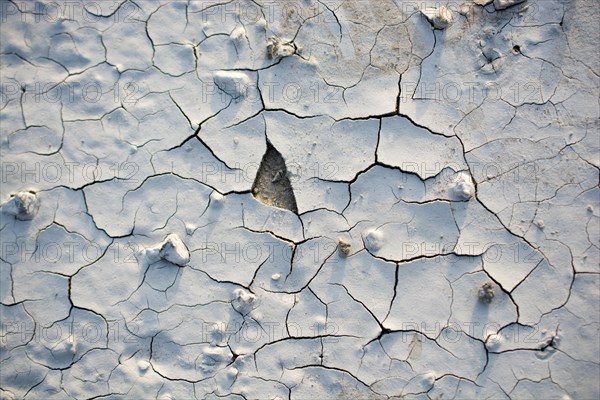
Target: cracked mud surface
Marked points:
441	239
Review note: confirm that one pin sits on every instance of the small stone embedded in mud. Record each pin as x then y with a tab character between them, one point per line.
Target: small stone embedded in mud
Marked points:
486	293
540	224
344	247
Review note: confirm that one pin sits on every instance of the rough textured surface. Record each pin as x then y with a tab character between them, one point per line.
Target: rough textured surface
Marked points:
272	184
301	199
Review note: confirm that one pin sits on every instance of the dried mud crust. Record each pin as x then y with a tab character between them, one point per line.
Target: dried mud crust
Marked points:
272	185
445	178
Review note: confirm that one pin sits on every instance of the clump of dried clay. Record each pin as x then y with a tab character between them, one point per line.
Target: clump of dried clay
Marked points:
462	187
24	206
440	17
494	341
172	249
502	4
486	293
278	48
373	239
234	83
217	198
143	366
243	301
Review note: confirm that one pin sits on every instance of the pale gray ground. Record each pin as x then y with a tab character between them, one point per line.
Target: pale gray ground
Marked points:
442	241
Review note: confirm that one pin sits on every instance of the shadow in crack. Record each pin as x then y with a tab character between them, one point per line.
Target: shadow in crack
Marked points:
272	185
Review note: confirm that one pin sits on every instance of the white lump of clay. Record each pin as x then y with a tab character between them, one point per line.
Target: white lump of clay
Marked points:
440	17
23	205
278	48
373	239
462	187
172	250
502	4
243	301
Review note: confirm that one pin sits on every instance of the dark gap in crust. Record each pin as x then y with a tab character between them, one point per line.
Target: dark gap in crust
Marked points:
272	185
